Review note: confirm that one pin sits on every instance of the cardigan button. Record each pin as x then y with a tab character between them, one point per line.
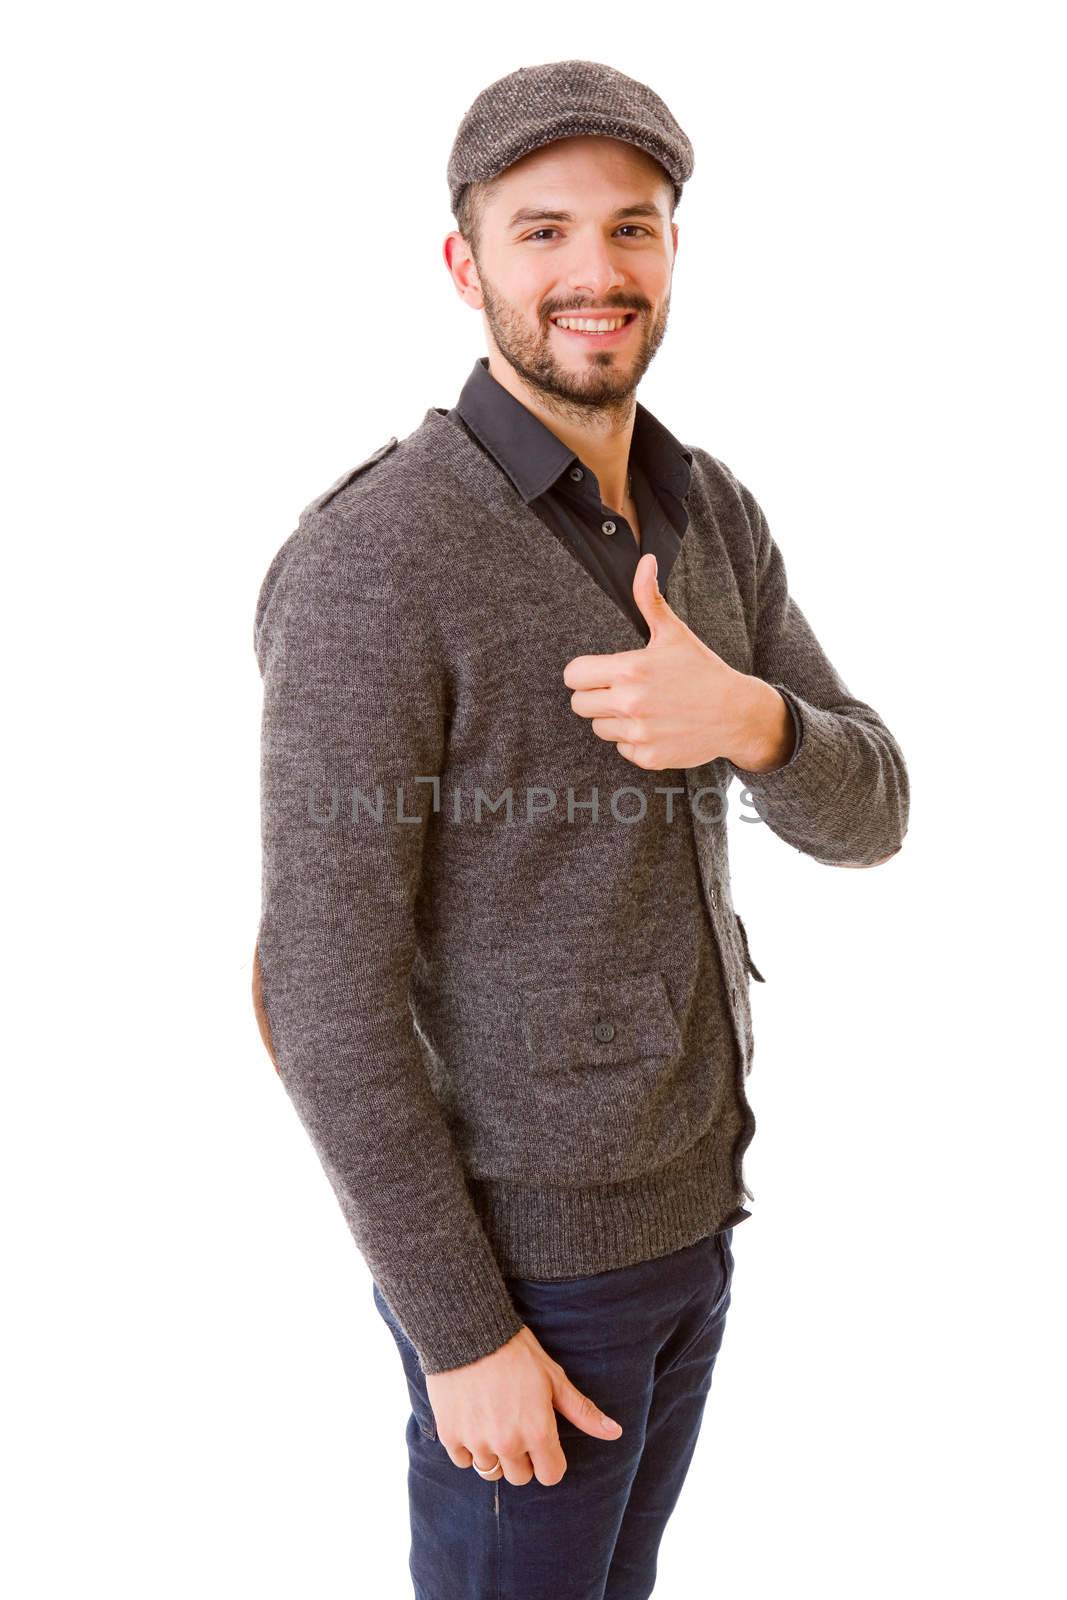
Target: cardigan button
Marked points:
605	1032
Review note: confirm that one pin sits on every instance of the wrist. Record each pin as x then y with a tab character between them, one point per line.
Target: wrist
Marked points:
767	735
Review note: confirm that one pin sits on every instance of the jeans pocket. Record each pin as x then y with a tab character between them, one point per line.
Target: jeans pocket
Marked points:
725	1237
715	1273
413	1373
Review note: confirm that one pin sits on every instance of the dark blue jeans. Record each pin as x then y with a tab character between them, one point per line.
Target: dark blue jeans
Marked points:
641	1342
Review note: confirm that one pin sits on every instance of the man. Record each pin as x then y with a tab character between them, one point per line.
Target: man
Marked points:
511	664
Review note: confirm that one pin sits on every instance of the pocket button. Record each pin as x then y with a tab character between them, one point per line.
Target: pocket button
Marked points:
604	1031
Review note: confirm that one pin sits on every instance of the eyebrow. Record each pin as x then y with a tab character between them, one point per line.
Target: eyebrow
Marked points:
643	208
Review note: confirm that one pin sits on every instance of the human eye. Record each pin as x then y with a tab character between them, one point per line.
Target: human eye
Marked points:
530	237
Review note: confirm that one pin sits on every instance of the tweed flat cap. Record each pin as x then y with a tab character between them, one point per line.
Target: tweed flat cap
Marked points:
560	100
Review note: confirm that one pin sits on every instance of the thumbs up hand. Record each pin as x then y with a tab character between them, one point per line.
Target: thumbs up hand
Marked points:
675	703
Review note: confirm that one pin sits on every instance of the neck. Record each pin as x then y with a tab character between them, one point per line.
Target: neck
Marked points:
600	435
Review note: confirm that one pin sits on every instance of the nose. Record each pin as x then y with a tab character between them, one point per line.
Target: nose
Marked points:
595	272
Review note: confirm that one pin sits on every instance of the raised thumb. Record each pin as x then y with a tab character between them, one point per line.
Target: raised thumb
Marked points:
649	597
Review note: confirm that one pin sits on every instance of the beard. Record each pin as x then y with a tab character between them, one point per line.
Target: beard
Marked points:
603	381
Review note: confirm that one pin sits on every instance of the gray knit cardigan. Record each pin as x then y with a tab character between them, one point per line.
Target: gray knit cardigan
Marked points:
492	951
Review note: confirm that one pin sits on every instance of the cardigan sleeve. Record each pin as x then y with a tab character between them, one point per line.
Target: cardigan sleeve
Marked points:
843	795
353	700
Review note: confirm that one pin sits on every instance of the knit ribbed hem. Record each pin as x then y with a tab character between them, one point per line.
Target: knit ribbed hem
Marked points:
795	800
813	764
547	1233
464	1315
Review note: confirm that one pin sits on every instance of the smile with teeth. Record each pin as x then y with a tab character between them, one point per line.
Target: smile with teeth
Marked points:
593	327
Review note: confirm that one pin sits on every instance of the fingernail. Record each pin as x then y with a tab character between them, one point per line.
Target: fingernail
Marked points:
609	1422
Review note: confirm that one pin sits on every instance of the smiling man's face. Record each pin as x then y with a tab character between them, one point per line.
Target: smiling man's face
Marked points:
581	226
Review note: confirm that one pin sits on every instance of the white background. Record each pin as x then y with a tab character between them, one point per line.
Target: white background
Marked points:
225	285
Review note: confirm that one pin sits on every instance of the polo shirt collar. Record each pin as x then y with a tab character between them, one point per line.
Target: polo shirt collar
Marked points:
534	457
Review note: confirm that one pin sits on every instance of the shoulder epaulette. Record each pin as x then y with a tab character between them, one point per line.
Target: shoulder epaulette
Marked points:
347	477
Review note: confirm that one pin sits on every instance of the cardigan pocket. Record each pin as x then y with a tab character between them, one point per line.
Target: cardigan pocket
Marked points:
752	967
602	1024
584	1092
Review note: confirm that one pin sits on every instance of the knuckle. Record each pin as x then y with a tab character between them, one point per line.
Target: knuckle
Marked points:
543	1434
